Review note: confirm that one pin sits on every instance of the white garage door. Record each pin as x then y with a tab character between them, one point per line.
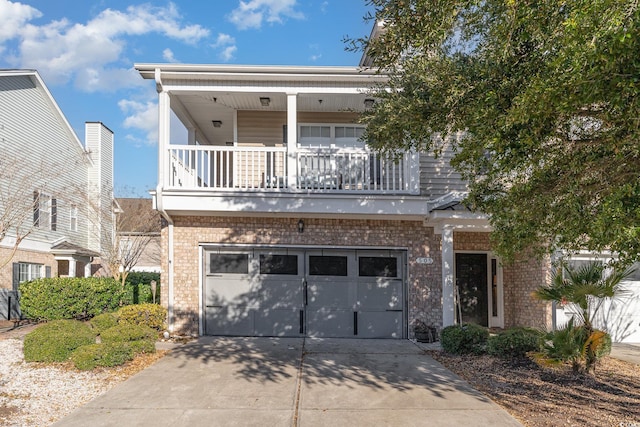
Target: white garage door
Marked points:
295	292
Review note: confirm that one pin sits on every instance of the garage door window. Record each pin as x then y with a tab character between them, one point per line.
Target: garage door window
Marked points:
327	265
378	266
228	264
279	264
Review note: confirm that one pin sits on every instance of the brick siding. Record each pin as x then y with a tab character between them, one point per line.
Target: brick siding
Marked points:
425	289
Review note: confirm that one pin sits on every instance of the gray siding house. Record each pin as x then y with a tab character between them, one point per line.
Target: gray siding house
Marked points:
48	180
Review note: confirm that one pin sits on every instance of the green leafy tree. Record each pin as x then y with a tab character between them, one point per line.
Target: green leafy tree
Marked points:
584	287
541	101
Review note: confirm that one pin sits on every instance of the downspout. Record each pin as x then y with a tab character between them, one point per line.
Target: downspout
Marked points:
163	135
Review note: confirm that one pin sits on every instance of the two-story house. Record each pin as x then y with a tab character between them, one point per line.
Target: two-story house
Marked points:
48	181
280	221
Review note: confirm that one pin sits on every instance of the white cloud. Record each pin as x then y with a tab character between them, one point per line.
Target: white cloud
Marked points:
14	17
88	53
227	54
252	13
168	56
228	47
141	116
314	58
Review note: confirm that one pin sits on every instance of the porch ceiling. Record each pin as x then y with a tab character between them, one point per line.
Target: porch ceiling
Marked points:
201	108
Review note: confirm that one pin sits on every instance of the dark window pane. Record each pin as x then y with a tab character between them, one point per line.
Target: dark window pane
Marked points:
229	263
279	264
369	266
327	265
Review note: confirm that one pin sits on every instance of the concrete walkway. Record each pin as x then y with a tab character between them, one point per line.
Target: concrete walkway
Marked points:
627	352
292	382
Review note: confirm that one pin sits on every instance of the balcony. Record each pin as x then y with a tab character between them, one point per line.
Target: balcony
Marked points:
275	169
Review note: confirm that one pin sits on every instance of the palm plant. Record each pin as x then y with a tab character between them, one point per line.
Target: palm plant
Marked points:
584	286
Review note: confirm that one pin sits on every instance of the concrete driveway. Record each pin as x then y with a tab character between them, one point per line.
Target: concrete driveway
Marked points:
292	382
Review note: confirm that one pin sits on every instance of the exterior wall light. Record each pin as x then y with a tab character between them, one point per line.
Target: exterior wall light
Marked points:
301	226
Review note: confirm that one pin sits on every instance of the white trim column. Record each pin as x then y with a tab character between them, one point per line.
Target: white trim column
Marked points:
448	300
73	263
87	269
164	138
292	139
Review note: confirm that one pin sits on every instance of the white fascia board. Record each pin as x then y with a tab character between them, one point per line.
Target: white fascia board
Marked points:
296	204
268	89
250	72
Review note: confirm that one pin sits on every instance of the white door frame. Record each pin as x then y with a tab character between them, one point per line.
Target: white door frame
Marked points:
498	320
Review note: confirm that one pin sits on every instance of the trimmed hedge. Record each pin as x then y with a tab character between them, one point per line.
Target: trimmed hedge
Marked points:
515	342
138	288
56	340
151	315
104	321
69	297
128	333
464	339
91	356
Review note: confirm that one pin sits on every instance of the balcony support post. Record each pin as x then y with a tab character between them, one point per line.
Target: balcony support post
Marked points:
292	139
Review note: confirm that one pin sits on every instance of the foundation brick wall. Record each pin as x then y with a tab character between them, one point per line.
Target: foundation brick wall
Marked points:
424	280
6	272
521	309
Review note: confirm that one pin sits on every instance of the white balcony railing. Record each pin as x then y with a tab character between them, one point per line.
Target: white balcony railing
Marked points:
266	169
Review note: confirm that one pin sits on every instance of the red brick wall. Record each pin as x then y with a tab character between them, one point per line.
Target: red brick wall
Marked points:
425	283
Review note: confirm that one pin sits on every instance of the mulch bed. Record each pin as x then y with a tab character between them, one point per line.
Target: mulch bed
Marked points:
538	396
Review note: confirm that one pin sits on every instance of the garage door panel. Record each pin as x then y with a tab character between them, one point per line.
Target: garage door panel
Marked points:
330	323
279	322
380	324
223	291
380	295
329	294
278	295
236	320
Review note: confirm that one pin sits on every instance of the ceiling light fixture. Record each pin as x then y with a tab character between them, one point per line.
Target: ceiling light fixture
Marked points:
216	123
265	101
368	103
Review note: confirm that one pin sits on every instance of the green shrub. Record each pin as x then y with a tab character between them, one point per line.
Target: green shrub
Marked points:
104	321
138	287
91	356
142	346
128	333
464	339
56	340
576	345
515	342
69	297
151	315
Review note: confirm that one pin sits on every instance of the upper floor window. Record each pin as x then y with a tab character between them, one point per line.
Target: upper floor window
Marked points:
45	211
339	135
73	218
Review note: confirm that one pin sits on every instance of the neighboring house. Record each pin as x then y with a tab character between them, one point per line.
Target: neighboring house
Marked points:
281	222
48	177
138	228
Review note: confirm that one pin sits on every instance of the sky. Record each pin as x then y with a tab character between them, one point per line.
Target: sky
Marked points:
85	51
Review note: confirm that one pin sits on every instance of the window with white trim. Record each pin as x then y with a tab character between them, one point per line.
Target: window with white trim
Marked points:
28	271
325	135
73	217
44	211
